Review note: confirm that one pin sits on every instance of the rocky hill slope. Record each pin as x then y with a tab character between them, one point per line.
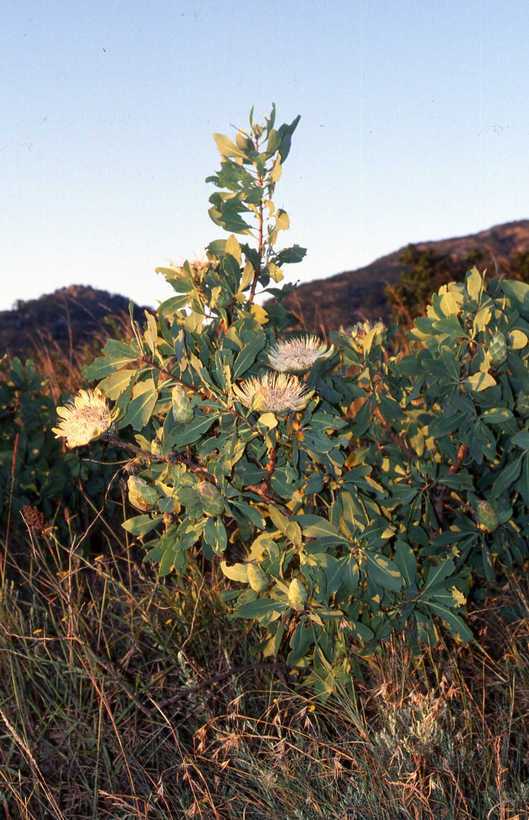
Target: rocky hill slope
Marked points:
357	294
73	316
67	318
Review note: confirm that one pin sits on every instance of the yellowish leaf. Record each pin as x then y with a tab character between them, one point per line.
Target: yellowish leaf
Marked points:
457	595
482	319
282	221
247	276
481	381
297	594
233	248
275	272
276	170
269	420
474	284
517	339
451	302
235	572
226	147
260	315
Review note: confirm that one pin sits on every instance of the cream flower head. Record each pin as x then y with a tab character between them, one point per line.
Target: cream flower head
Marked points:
297	354
84	419
273	393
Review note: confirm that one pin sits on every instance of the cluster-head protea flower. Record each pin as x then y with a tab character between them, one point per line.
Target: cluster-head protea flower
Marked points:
297	354
273	393
84	419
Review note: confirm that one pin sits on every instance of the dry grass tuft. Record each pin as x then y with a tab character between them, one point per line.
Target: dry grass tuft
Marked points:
123	696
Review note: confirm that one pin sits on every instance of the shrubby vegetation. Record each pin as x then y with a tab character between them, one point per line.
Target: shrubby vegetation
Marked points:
346	490
426	270
309	499
37	478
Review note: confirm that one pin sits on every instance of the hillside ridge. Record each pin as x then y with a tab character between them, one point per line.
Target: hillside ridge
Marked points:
67	318
349	296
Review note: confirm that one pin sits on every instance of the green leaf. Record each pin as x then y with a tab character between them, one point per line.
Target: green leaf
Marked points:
215	535
333	573
180	280
291	255
384	572
170	306
523	483
507	477
140	408
259	608
285	135
193	431
436	575
252	513
314	526
151	332
455	623
248	354
141	524
406	562
116	355
497	415
114	386
518	291
521	440
300	642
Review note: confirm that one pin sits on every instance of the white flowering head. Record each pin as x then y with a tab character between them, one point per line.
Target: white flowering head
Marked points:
298	354
84	419
273	393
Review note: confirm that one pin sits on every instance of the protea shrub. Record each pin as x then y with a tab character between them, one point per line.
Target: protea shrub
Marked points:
346	491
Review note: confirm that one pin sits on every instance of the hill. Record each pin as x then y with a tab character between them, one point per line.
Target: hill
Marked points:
71	317
68	318
347	297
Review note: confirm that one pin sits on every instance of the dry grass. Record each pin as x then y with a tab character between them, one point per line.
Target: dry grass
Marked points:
122	696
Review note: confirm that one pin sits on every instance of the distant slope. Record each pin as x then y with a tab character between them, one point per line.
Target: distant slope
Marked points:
67	318
73	316
347	297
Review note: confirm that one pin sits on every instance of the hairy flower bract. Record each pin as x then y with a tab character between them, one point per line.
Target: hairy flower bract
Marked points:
297	354
84	419
273	393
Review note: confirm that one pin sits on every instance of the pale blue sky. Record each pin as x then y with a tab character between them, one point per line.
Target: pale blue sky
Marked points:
415	125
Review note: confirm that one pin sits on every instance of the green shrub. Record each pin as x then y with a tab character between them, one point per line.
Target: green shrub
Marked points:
34	470
368	493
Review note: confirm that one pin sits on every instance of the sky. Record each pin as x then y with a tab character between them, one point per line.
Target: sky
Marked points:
414	126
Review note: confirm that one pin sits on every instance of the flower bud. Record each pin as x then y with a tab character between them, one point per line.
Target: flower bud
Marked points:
297	594
211	499
257	578
498	349
522	403
486	516
141	495
181	406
